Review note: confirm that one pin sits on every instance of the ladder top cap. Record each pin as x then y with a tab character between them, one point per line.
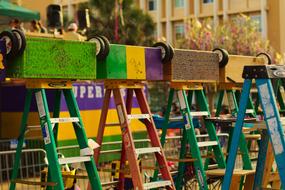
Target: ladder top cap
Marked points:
263	71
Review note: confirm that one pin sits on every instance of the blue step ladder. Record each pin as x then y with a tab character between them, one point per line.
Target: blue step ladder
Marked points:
273	131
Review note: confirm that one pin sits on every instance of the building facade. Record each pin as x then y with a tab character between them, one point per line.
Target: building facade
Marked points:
169	15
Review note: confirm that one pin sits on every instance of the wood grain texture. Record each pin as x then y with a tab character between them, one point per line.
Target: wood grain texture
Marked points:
233	70
190	65
135	57
55	59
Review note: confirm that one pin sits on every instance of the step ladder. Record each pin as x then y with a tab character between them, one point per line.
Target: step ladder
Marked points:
49	128
129	152
274	130
188	131
233	97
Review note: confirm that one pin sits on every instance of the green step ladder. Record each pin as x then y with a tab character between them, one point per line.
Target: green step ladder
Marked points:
188	131
233	96
49	128
274	130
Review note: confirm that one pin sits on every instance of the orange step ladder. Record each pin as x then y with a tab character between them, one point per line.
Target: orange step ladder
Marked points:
129	152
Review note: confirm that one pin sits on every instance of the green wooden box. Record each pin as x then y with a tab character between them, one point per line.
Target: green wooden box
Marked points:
114	65
55	59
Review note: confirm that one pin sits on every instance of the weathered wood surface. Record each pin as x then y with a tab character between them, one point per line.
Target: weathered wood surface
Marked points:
55	59
132	63
190	65
232	72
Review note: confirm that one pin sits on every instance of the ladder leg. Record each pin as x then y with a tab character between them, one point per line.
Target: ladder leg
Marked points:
102	122
154	139
129	102
202	102
48	137
242	143
82	138
56	113
128	140
165	125
189	128
279	95
260	167
21	138
122	168
181	165
236	135
273	124
220	103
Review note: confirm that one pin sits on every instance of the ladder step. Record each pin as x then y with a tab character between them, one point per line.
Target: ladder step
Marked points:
207	143
249	111
112	124
72	160
193	114
139	116
147	150
199	113
64	120
156	184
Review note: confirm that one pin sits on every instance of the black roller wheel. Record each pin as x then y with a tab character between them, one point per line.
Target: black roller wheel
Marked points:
223	56
167	51
102	46
21	41
266	57
12	44
106	46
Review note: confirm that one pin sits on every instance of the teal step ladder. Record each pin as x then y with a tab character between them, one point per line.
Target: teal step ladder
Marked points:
49	129
274	130
185	92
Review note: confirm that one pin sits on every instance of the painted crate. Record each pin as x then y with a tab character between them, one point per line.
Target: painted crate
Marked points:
191	65
232	72
131	62
55	59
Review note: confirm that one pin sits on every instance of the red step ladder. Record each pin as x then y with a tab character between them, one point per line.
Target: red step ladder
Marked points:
129	152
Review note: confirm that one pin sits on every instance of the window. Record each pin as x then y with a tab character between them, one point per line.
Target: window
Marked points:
179	3
179	30
257	19
152	5
208	1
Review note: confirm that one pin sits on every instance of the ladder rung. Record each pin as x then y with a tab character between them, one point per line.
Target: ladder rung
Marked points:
193	114
212	166
249	111
199	113
207	143
34	127
72	160
156	184
139	116
147	150
252	136
26	182
64	120
179	118
112	124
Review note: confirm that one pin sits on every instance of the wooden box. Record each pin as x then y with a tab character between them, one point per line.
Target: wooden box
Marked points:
190	65
55	59
232	72
131	62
